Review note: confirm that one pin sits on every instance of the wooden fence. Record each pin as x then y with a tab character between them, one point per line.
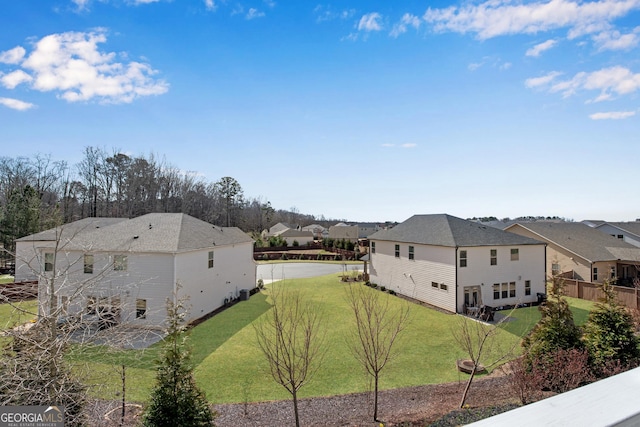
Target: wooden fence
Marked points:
629	297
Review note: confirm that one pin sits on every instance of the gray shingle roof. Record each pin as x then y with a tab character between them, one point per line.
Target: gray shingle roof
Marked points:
447	230
67	231
630	227
156	232
587	242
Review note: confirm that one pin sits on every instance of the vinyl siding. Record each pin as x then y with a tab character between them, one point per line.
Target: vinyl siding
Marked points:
414	278
479	272
232	271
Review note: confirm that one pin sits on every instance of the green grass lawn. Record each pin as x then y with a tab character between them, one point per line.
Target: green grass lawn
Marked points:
230	367
5	278
17	313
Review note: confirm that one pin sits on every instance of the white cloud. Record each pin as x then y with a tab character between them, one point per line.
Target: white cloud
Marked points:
475	65
613	40
210	4
16	104
270	3
326	13
611	82
409	145
501	17
15	78
369	22
136	2
254	13
72	65
12	56
541	47
612	115
81	4
406	21
535	82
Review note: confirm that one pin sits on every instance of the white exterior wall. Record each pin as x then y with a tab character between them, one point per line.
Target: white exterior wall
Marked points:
233	270
28	262
302	240
414	278
480	272
148	276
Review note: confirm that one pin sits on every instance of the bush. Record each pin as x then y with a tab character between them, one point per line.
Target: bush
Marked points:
609	332
284	257
383	288
373	285
296	243
392	292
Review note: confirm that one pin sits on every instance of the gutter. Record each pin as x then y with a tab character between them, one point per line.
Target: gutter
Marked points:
455	264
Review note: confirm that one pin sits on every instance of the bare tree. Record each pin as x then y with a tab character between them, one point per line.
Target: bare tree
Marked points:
478	340
291	338
378	324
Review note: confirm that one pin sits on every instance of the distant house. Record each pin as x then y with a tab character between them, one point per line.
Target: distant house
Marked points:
302	238
317	230
626	231
450	262
280	227
591	255
346	232
366	229
130	267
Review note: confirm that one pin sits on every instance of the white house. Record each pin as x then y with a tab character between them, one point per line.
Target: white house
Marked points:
132	266
450	262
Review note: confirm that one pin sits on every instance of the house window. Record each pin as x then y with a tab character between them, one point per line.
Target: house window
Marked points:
595	274
373	247
88	264
397	251
527	287
210	259
463	258
512	290
141	308
443	286
411	252
505	291
515	254
435	285
496	291
555	269
48	261
120	263
494	257
612	274
620	236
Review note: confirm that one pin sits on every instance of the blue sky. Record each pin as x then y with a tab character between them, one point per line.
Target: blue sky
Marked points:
363	110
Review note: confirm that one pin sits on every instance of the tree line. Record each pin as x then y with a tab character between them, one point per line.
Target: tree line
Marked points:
38	193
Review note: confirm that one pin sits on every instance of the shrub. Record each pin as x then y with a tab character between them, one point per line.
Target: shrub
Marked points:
284	257
296	243
383	288
609	332
373	285
392	292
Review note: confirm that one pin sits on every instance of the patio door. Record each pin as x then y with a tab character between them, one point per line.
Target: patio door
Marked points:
472	296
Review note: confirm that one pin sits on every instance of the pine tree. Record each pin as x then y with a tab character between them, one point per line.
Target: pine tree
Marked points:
176	401
609	332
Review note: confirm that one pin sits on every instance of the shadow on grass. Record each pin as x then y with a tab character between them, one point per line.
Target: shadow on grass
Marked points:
203	340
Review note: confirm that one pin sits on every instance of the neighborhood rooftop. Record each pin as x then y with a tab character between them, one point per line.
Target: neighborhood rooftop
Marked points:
155	232
447	230
585	241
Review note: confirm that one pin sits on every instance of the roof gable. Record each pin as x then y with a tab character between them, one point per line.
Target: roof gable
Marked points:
581	239
447	230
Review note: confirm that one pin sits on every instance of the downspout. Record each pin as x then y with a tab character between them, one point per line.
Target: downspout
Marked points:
455	263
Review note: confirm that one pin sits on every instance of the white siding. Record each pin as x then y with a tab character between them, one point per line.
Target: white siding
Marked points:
414	278
480	272
28	262
233	270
